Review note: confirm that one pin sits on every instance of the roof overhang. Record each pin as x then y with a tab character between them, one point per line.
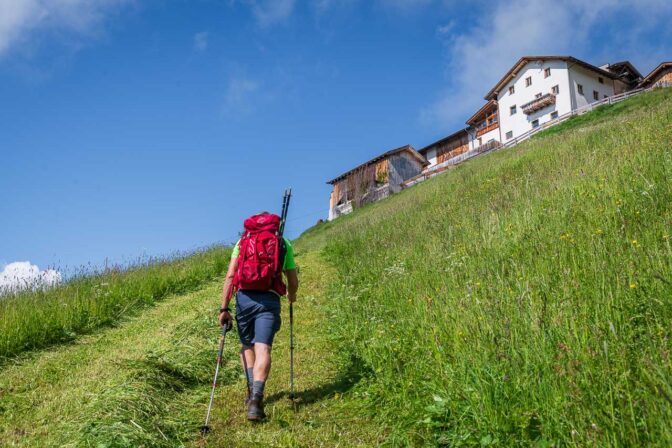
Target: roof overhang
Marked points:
522	62
651	76
482	112
628	65
458	134
406	148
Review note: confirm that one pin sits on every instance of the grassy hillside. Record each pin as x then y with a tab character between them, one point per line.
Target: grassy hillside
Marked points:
37	319
523	298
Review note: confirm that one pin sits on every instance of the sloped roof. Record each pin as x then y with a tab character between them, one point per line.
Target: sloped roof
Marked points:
405	148
655	72
513	71
424	150
482	111
624	64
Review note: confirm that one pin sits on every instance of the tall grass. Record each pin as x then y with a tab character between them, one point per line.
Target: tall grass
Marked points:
522	299
39	318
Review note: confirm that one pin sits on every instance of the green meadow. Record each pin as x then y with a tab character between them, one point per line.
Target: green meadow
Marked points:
37	319
522	299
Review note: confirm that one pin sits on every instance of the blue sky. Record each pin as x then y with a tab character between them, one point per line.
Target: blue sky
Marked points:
133	127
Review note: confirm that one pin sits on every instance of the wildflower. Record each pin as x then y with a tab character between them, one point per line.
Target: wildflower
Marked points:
598	232
633	285
635	243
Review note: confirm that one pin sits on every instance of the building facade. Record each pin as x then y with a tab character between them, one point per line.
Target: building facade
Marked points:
448	147
660	76
374	180
539	89
484	132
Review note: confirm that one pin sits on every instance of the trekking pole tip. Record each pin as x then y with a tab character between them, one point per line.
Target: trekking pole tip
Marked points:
205	429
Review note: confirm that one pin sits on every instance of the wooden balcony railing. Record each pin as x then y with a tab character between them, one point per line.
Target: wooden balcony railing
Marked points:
538	103
487	129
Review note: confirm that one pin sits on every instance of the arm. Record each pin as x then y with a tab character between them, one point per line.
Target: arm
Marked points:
227	292
292	284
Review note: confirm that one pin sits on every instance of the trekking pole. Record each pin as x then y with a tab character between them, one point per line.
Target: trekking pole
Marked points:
285	208
205	428
291	352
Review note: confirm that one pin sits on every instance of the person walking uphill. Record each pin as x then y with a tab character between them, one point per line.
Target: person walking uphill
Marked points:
258	262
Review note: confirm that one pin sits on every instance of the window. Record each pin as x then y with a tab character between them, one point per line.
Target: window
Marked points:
555	90
538	95
554	115
509	135
547	72
528	81
512	110
579	88
596	95
512	90
535	124
600	80
491	118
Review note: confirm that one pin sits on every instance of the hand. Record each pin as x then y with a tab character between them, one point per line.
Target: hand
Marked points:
226	320
291	298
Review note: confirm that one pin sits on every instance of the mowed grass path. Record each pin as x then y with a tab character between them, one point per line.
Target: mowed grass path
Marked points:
323	413
147	381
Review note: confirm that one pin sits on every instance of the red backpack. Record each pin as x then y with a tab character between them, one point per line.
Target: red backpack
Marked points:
261	255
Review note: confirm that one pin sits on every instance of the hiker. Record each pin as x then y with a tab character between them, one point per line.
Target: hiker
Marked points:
258	260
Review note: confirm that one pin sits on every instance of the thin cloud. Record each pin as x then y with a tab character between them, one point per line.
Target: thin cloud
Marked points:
479	56
20	20
240	94
201	41
271	12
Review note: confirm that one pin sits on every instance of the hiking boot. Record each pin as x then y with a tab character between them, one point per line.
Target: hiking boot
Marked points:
255	410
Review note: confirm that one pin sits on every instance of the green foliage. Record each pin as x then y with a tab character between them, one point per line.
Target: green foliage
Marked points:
522	299
38	319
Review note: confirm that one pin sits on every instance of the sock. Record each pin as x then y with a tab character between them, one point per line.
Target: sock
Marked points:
258	390
250	378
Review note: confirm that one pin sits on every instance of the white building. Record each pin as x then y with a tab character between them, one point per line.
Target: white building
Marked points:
538	89
484	131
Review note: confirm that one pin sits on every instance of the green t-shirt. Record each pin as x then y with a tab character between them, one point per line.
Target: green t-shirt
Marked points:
289	263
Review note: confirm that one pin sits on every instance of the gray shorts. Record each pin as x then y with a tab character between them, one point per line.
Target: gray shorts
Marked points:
257	316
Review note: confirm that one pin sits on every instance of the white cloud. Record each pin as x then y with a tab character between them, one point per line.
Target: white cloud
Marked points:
201	41
20	19
271	12
240	95
479	56
22	275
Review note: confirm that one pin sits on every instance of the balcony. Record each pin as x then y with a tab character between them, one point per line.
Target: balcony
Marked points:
538	103
487	128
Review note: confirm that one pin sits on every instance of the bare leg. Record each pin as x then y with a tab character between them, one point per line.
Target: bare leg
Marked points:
262	361
247	358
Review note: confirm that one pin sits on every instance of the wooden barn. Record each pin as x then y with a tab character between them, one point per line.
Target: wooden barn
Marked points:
446	148
374	180
660	76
